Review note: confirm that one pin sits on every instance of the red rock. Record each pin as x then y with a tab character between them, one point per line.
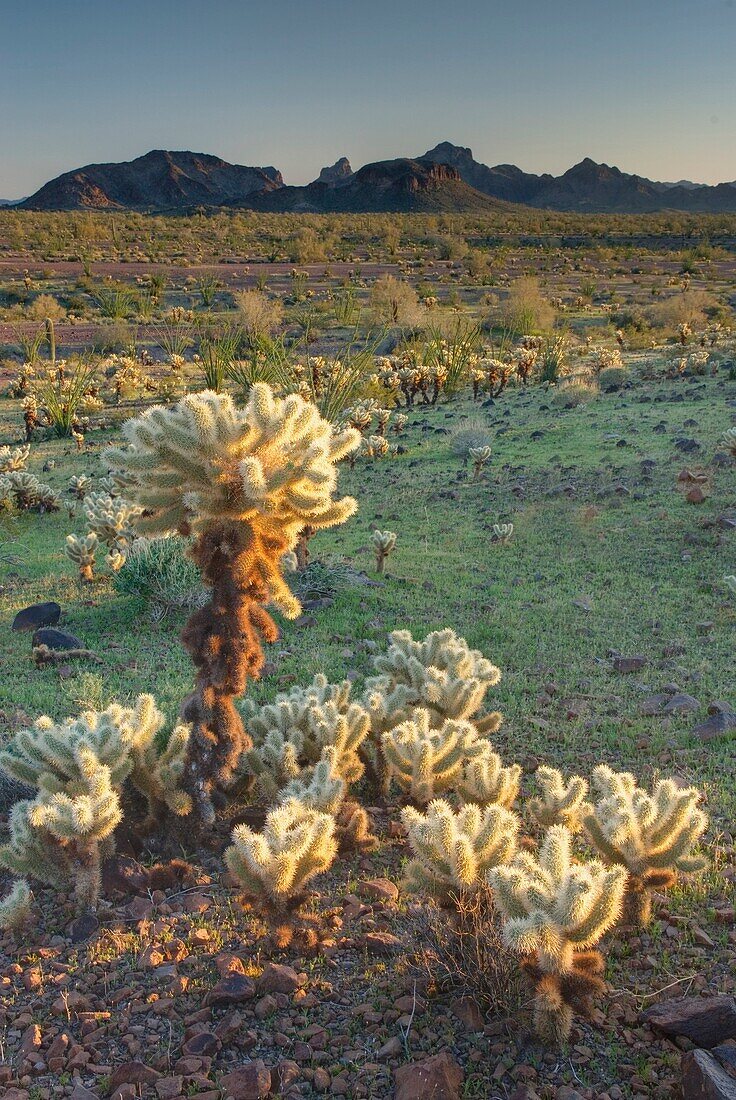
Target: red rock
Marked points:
232	989
169	1087
704	1079
439	1077
380	889
248	1082
278	979
284	1075
706	1021
133	1073
628	664
381	943
203	1045
31	1040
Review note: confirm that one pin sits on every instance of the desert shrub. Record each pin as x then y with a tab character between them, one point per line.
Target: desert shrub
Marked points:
613	378
573	392
688	307
474	433
259	314
525	310
45	306
160	572
395	302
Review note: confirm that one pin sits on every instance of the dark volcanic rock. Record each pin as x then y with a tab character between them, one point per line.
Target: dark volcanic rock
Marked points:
37	615
704	1078
706	1021
56	639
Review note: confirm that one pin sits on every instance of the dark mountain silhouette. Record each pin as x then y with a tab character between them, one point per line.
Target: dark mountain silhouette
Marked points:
387	186
445	179
158	181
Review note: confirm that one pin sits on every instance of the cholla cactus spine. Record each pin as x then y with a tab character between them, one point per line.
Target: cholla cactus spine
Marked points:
555	910
275	866
245	482
383	543
454	851
651	835
560	803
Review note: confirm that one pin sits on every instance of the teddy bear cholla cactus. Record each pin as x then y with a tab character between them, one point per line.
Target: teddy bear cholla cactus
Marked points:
59	836
485	781
729	441
555	910
383	542
454	850
82	552
79	485
651	835
25	491
560	802
479	456
16	909
426	762
13	459
245	483
274	866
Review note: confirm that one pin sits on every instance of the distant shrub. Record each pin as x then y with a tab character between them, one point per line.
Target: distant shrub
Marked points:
473	434
577	391
395	302
612	378
525	310
45	305
259	314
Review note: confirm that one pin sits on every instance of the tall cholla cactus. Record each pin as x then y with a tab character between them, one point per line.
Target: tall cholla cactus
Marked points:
560	803
651	835
555	910
59	836
245	482
16	908
479	456
425	762
484	780
383	542
441	674
82	552
453	851
275	866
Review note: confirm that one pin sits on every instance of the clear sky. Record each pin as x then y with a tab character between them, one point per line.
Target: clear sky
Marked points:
648	85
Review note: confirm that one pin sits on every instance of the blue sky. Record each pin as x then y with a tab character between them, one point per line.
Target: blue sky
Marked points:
648	85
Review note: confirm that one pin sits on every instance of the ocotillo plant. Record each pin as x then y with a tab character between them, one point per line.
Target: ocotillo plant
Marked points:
555	910
383	542
651	835
244	483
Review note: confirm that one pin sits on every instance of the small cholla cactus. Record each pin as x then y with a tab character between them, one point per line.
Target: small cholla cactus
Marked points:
382	418
31	415
651	835
555	910
479	456
13	459
561	803
485	781
78	436
79	485
116	559
426	762
454	851
684	332
383	542
399	422
274	866
245	482
16	909
374	446
110	519
502	532
82	553
729	441
730	582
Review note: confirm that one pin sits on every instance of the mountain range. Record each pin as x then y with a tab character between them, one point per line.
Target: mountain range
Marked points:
445	179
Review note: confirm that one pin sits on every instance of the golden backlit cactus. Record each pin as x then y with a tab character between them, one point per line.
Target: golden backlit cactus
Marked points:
16	908
560	802
82	552
652	835
484	780
274	866
555	910
480	457
245	482
13	459
453	851
426	762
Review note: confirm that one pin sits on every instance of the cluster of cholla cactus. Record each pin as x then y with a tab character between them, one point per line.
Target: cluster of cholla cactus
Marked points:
490	375
21	490
244	482
374	446
362	415
560	802
652	836
383	543
603	358
556	910
110	524
525	357
13	459
425	761
502	532
274	866
480	457
454	851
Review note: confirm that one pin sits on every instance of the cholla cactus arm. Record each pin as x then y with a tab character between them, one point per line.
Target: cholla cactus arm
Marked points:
274	866
561	803
383	543
321	788
14	458
455	850
245	482
484	780
16	909
555	909
82	553
157	774
730	582
426	762
651	835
